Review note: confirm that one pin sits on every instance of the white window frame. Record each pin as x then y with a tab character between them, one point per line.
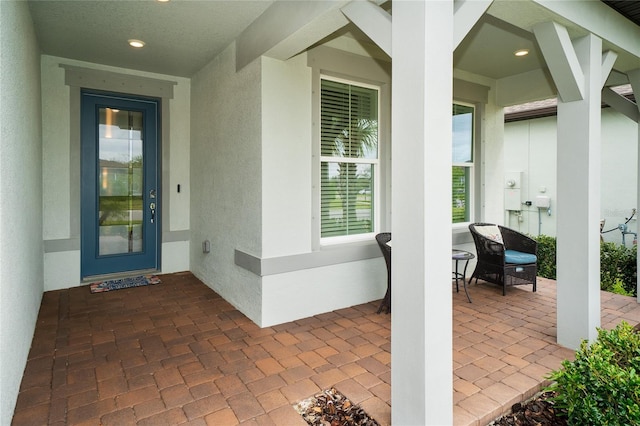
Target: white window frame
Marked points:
471	202
375	164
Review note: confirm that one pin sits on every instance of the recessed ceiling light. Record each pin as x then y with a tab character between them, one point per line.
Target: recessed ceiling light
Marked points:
163	1
521	52
136	43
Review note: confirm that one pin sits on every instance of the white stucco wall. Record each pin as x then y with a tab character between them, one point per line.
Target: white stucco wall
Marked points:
288	161
179	163
254	192
493	164
530	147
619	171
308	292
21	270
286	156
226	178
56	165
61	218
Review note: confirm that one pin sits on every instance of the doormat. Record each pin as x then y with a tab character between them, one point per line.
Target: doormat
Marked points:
103	286
330	407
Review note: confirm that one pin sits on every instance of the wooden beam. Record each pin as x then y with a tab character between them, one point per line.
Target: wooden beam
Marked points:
608	59
465	15
597	18
634	79
374	21
287	28
561	59
621	104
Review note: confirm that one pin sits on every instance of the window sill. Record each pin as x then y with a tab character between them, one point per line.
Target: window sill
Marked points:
349	240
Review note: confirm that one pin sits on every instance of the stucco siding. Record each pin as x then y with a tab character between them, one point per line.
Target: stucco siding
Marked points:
308	292
226	178
290	221
286	157
56	165
619	172
21	246
531	146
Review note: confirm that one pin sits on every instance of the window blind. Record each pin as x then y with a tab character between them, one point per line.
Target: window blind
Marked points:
462	156
349	154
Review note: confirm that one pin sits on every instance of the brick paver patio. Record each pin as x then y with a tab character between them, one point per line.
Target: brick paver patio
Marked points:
177	353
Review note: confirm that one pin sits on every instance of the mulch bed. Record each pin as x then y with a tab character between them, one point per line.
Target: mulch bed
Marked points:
331	408
538	411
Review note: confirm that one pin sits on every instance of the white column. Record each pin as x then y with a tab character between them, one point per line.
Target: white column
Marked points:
578	217
421	329
634	79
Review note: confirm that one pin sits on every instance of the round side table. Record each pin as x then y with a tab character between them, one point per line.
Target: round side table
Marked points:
466	256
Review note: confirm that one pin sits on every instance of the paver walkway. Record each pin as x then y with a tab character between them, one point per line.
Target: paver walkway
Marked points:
177	353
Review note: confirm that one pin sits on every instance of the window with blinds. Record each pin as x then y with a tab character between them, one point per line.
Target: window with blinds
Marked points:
462	173
348	158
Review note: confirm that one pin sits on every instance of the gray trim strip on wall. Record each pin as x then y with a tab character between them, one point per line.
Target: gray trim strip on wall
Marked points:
325	257
73	244
174	236
248	262
68	244
89	78
74	163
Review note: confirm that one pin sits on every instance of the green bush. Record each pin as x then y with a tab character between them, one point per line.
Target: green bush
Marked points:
602	385
618	267
546	256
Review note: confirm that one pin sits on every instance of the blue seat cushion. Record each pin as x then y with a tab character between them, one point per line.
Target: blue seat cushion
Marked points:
518	257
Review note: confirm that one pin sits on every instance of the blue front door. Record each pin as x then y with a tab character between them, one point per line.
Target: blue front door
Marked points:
120	195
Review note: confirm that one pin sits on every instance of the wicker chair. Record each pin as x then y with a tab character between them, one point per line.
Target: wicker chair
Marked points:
505	257
382	239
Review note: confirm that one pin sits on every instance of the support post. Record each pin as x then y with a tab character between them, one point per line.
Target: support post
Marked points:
578	246
422	38
634	79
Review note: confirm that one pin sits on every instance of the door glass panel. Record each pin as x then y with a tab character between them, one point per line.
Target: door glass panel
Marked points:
120	180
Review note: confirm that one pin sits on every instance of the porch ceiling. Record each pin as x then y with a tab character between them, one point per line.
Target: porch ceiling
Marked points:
182	36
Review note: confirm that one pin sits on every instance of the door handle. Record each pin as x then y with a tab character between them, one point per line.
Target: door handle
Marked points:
152	207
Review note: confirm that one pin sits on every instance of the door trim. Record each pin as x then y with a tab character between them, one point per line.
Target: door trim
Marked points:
77	78
155	108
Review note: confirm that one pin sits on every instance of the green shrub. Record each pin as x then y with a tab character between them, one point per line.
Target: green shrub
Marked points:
601	386
619	288
546	256
618	267
629	270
